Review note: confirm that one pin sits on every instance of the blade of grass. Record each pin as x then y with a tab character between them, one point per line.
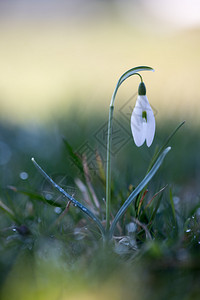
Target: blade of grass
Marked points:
138	189
89	183
149	203
156	155
151	221
8	211
172	206
84	209
165	145
75	158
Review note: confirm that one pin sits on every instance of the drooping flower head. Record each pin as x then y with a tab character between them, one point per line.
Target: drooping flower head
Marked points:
142	119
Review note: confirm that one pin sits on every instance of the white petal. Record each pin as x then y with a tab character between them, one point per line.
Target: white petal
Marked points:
138	126
142	102
151	126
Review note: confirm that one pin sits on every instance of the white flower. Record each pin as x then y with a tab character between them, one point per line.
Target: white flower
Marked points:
143	122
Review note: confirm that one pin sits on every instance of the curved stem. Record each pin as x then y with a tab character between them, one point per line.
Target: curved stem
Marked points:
133	71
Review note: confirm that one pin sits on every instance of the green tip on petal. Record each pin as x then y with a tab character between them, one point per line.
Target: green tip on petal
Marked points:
142	89
144	115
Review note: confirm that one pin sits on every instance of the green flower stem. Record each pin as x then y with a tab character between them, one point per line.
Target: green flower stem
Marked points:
108	171
126	75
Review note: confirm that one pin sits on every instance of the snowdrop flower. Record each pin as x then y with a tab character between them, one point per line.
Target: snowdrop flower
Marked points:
142	119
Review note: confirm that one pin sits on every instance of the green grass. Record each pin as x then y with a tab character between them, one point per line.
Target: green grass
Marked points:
47	255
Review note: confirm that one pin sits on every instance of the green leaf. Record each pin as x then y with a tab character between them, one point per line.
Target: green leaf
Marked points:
138	189
76	160
156	155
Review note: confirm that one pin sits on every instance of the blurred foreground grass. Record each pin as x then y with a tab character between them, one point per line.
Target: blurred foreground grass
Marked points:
105	276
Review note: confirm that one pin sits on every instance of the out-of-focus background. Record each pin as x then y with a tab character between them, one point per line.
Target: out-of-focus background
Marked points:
59	54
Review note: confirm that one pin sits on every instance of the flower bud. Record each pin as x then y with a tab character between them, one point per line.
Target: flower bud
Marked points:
142	89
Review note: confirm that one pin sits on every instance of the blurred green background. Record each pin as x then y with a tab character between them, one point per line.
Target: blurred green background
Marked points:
59	64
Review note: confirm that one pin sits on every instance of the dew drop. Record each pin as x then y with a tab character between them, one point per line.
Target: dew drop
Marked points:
131	227
57	210
176	200
48	196
23	175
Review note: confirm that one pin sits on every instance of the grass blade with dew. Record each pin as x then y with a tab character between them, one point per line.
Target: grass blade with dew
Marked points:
138	189
72	199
